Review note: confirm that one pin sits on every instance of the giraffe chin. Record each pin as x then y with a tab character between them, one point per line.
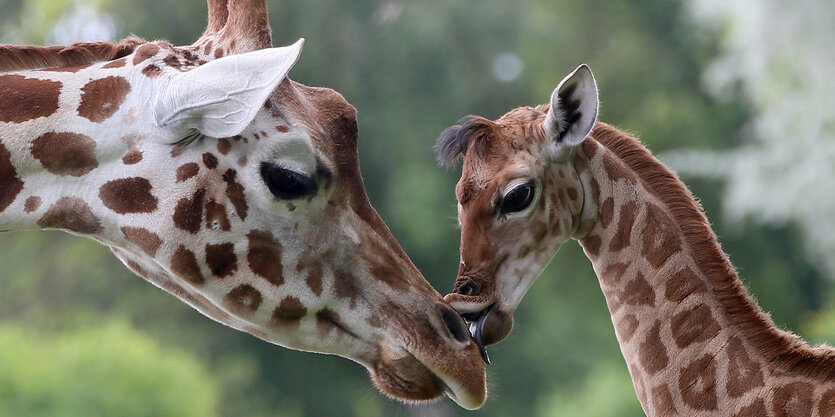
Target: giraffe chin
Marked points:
410	380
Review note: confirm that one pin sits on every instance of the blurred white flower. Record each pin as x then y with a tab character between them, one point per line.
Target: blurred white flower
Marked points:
82	22
782	57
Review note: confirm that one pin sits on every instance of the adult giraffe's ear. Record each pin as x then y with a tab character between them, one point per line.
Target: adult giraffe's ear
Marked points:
574	107
220	98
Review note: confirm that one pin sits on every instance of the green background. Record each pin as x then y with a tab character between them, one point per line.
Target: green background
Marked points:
81	336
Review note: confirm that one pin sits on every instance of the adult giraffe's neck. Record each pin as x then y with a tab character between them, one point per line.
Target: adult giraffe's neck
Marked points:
695	342
63	132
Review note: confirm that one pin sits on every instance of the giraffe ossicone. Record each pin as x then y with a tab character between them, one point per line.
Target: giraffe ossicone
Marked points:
215	177
695	342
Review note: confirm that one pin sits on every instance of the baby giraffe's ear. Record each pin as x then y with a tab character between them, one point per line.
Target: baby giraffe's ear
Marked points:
220	98
574	107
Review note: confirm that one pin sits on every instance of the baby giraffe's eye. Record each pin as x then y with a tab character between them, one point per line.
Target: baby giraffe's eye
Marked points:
286	184
518	198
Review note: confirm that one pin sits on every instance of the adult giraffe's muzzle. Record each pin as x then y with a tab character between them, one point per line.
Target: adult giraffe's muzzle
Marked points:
437	357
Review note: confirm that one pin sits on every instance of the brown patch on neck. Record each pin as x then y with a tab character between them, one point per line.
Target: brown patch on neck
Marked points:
184	265
264	256
101	98
147	240
27	57
65	153
128	195
776	346
27	98
10	184
73	214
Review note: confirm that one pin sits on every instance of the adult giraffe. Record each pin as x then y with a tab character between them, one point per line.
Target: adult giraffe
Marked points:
212	175
694	340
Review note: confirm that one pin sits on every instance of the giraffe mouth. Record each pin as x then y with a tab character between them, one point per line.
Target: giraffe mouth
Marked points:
415	381
477	321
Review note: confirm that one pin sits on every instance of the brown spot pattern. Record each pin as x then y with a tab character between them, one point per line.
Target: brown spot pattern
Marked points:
626	327
746	374
221	259
756	409
243	300
152	71
132	157
613	273
683	283
826	406
27	98
101	98
652	353
128	195
572	193
343	287
184	264
662	401
290	309
314	279
32	204
626	220
186	171
792	400
189	212
144	52
70	213
119	63
148	241
264	256
216	212
235	192
592	245
607	212
10	184
223	146
282	128
638	292
694	325
660	237
697	382
209	160
615	170
65	153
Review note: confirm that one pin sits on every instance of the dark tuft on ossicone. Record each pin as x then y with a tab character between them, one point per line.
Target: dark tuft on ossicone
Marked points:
454	140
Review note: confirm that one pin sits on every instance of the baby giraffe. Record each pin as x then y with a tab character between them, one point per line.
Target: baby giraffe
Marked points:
694	340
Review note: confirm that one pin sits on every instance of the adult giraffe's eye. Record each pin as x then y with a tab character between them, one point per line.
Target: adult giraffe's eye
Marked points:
518	198
286	184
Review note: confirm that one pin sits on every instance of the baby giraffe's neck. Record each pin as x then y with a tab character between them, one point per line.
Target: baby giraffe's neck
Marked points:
694	341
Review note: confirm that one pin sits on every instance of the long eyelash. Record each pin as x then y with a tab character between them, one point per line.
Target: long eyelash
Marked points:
191	136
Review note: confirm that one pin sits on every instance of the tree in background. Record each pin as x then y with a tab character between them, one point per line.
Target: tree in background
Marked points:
108	371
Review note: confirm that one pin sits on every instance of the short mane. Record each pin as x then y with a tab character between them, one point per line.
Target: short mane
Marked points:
784	348
27	57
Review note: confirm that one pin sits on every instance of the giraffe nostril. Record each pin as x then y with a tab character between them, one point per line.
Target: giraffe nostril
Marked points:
469	288
455	324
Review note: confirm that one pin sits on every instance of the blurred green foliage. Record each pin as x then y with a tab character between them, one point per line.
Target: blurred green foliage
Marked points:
109	370
412	69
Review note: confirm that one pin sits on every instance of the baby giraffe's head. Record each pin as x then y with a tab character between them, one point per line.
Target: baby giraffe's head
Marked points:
520	197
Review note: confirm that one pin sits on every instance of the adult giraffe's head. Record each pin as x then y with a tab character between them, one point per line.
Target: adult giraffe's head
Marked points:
214	176
519	198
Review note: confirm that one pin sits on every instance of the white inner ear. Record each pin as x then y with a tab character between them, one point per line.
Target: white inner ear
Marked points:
574	108
222	97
